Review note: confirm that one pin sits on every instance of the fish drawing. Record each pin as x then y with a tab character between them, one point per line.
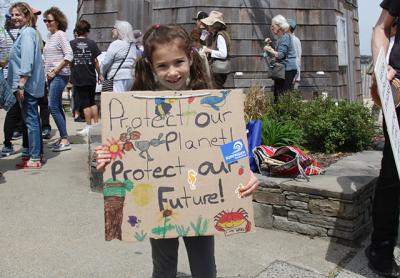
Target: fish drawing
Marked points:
216	101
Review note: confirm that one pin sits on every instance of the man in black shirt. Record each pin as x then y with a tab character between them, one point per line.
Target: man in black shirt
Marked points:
385	212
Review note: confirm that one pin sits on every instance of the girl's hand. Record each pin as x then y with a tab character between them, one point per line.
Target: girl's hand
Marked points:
250	186
103	158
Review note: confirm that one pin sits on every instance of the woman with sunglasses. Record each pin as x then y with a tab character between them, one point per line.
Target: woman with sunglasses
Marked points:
26	79
57	56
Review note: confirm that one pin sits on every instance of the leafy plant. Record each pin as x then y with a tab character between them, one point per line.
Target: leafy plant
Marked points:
288	107
331	126
276	133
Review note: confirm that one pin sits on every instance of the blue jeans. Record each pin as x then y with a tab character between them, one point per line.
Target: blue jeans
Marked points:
32	120
56	88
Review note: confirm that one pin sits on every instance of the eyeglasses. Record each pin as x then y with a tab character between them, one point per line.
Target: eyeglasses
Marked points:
48	20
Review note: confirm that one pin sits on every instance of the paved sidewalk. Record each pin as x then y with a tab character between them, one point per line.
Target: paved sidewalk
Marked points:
52	226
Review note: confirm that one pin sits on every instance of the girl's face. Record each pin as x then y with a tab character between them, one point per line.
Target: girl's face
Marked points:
19	20
171	65
51	23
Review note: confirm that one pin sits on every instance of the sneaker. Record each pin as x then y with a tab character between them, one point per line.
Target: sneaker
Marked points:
46	133
30	164
62	147
16	135
381	260
55	144
84	131
7	151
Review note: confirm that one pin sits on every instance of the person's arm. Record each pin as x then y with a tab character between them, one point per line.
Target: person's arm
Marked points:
27	40
221	52
100	77
381	34
282	48
108	59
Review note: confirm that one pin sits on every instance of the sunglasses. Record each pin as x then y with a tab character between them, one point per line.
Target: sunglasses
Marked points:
48	20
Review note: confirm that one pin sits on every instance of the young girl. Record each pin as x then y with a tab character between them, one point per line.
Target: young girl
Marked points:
169	63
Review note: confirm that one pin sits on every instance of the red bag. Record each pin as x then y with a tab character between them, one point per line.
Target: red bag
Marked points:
286	161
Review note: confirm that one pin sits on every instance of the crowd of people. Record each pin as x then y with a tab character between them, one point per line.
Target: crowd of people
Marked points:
78	62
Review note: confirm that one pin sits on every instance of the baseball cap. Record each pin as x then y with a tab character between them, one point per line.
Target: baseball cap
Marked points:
200	15
35	11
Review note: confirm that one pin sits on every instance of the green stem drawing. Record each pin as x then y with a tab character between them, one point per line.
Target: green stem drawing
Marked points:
165	226
162	231
181	230
200	228
141	236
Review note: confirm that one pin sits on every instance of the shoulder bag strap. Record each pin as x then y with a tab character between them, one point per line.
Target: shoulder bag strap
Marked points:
11	35
129	49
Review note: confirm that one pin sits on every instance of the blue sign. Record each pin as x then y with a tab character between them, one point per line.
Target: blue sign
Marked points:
234	151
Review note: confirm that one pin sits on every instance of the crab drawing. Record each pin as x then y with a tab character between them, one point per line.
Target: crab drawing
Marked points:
144	146
232	222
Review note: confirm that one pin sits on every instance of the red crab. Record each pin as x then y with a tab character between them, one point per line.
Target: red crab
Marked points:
230	220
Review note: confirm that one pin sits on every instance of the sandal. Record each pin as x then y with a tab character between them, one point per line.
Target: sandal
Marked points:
30	164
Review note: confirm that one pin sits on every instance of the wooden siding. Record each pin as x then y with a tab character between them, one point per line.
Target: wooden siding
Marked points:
249	24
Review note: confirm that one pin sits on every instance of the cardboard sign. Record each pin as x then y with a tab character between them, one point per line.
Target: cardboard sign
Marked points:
388	108
168	177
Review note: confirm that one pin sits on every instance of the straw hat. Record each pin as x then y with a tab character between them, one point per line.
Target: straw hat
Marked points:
214	17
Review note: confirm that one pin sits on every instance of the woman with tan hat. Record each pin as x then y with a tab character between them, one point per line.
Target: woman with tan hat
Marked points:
220	47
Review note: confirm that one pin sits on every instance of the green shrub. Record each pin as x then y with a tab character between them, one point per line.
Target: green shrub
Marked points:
288	107
276	133
331	126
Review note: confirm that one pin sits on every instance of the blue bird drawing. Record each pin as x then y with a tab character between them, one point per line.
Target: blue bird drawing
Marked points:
215	102
163	106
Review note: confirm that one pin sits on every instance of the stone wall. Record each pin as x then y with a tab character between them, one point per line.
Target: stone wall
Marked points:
328	206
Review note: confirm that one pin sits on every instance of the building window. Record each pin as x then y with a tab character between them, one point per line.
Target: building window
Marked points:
342	41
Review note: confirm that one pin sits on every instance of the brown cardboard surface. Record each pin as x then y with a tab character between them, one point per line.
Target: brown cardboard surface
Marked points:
168	177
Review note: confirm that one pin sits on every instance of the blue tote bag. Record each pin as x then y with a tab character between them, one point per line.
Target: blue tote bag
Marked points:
254	139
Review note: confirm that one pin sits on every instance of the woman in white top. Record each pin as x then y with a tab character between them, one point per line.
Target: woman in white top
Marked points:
220	45
122	34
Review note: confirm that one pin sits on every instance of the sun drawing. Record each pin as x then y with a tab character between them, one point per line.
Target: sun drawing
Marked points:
115	148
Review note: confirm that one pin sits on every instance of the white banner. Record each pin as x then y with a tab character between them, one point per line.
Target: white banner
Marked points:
388	108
